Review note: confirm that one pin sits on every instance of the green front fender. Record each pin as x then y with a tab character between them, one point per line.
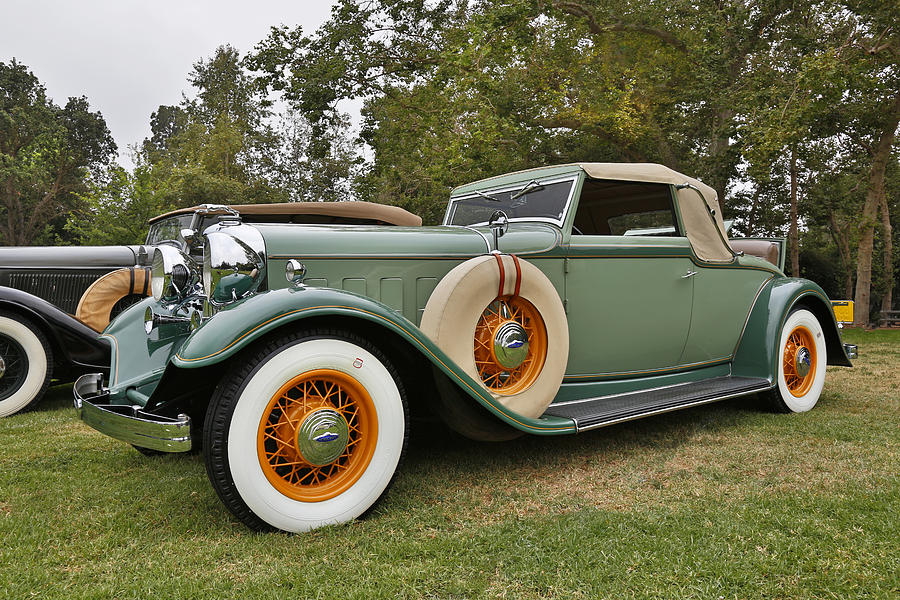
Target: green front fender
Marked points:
757	351
237	325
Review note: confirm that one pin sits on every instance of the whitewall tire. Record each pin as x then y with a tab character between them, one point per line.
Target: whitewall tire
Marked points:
802	357
308	431
25	364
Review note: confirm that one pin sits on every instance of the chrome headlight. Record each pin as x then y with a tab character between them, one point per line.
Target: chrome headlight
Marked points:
173	274
234	262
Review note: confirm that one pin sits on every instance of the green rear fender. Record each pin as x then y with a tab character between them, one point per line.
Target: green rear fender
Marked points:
757	351
237	325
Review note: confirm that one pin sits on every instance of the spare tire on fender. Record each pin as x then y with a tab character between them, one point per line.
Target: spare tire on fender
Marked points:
501	320
97	302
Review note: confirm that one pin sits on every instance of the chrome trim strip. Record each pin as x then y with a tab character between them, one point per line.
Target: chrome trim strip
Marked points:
487	241
641	391
129	423
660	411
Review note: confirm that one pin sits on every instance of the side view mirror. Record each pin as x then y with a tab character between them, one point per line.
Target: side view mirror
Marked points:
498	224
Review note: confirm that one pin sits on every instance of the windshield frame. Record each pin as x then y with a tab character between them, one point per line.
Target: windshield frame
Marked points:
512	188
178	241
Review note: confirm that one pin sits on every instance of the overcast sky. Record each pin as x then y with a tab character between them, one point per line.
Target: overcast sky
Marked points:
130	56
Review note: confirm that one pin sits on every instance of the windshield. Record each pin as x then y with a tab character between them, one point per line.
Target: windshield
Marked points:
531	201
169	230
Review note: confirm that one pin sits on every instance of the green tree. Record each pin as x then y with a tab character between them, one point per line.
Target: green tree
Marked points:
117	210
48	155
219	146
456	90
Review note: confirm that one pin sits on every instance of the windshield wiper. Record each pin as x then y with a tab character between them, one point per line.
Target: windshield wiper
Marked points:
529	187
485	196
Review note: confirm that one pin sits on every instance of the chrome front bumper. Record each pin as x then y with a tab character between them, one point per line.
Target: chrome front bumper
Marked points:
851	351
129	423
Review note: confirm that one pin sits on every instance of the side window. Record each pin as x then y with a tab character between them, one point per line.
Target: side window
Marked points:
625	208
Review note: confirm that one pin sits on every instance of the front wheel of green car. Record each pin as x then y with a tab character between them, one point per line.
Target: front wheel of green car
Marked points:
307	431
25	364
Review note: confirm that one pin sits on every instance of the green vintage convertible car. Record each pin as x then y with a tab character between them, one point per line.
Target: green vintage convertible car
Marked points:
551	301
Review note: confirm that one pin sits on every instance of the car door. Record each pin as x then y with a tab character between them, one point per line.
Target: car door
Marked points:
628	304
628	284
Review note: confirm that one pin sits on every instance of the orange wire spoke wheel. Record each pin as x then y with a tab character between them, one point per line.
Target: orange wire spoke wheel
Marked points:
510	345
799	361
317	435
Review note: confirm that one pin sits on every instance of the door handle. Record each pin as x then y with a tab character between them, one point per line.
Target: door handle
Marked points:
689	274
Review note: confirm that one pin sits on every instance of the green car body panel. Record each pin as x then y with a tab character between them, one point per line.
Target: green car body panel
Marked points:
684	320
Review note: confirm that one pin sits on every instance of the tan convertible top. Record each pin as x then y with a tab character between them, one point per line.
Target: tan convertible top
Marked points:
709	242
365	211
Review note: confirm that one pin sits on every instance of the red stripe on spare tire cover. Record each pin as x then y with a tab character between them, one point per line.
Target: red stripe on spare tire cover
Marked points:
502	274
518	274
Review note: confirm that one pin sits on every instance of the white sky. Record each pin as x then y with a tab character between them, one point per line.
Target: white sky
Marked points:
130	56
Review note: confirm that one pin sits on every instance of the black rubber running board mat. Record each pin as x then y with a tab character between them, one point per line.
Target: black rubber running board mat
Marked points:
606	410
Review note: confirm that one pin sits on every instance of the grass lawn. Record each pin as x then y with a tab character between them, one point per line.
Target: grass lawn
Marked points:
721	501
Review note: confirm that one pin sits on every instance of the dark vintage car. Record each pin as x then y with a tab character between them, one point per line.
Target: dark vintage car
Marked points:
55	300
550	302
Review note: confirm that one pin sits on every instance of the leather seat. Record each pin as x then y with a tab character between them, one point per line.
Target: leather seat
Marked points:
763	249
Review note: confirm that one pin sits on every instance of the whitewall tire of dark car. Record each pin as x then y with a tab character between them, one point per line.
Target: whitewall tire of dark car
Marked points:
25	363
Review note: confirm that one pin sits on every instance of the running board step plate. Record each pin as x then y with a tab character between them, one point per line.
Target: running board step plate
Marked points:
607	410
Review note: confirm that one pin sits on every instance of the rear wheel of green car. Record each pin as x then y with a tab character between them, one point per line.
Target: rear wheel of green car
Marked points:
307	431
802	358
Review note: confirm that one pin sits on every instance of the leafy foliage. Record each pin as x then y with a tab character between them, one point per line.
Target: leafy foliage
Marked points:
788	110
48	155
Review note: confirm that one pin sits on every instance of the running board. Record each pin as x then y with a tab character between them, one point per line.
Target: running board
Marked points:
608	410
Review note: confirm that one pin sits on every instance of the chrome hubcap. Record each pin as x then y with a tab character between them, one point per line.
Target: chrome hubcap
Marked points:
2	367
322	437
803	361
510	344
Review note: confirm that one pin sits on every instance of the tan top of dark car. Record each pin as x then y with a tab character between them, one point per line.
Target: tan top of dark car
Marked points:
321	212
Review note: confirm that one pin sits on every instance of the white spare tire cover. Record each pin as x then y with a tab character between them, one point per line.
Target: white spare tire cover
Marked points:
501	320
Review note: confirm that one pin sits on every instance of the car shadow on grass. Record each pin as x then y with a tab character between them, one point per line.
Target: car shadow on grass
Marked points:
432	443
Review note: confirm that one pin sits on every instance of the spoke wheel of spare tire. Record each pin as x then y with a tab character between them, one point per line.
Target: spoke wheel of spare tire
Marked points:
501	320
26	363
801	364
308	431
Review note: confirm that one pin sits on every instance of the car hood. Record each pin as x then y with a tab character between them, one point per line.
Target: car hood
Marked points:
68	256
361	241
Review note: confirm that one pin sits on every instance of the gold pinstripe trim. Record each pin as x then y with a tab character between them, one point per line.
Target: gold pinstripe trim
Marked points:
662	370
398	326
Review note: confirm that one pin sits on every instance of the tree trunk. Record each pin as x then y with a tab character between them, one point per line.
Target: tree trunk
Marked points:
874	198
842	241
793	233
864	259
887	298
